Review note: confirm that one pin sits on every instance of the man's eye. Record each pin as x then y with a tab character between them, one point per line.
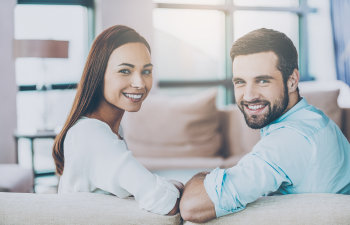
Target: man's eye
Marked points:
147	72
238	82
124	71
263	81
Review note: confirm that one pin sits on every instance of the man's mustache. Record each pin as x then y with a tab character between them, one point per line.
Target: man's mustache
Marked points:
255	101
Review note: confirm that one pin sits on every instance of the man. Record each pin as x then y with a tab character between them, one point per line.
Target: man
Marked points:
301	150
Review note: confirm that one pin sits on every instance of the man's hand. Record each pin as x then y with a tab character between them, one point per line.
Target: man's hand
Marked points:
195	204
180	187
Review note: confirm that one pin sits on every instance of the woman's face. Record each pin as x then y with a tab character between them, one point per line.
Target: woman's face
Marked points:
128	77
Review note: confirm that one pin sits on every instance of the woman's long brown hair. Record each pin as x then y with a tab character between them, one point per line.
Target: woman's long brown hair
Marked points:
89	90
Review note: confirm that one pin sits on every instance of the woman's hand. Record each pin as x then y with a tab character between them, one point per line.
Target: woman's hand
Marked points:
180	186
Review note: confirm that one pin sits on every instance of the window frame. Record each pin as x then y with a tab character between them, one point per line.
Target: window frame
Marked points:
229	9
89	4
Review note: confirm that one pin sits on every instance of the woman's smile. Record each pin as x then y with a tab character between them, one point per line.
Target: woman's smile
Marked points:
134	97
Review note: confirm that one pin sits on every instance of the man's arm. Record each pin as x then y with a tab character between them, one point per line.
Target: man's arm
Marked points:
195	204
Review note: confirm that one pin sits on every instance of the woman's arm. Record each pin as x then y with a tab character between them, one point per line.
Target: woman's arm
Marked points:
180	187
111	167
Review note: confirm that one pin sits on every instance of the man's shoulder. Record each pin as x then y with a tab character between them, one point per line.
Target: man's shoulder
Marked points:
283	136
306	121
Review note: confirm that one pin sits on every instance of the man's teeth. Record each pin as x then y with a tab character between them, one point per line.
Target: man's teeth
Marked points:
255	107
134	96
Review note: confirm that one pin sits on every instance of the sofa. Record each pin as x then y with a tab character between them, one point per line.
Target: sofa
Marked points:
184	135
97	209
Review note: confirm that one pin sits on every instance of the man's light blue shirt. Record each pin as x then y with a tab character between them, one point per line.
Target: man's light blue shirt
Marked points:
303	151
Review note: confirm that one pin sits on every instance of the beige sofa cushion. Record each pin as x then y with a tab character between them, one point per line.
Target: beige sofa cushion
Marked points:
296	209
239	139
186	126
77	209
326	100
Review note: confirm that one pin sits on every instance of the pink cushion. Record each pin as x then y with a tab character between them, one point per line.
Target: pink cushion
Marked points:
166	126
14	178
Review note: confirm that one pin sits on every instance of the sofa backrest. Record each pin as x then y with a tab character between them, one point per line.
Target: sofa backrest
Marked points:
96	209
76	208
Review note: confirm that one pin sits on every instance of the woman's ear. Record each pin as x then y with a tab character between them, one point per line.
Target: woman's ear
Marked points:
293	81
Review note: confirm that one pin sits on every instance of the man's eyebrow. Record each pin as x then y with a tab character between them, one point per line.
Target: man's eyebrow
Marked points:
147	65
236	79
127	64
264	77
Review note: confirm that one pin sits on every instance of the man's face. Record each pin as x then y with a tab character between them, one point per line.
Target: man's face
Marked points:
260	92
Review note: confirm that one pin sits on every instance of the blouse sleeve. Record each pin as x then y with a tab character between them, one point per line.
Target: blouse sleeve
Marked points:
112	168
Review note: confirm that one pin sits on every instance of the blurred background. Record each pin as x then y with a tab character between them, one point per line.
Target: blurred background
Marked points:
190	41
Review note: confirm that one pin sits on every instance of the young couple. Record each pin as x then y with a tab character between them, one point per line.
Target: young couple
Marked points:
301	149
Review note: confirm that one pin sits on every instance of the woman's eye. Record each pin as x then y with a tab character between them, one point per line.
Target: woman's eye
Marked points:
147	72
124	71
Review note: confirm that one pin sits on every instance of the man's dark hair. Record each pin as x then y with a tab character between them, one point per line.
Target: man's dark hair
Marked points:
264	40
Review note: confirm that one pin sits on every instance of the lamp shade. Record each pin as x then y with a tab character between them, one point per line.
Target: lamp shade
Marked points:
40	48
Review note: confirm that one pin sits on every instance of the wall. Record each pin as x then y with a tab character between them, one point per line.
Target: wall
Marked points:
137	14
134	13
322	61
8	87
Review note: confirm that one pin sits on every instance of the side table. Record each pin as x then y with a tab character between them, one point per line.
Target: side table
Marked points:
32	136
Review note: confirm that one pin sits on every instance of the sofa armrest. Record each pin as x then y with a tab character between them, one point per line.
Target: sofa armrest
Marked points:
311	209
346	123
76	208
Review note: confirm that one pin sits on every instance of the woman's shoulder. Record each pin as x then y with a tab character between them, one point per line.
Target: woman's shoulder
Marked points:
88	127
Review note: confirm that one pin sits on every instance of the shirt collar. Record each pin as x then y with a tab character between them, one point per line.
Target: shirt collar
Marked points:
300	105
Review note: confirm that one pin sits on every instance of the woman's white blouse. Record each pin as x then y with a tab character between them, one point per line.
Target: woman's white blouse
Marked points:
96	160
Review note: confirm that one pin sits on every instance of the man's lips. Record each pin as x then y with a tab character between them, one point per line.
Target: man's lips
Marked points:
254	107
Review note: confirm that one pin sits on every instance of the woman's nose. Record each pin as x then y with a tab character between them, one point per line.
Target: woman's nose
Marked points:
137	81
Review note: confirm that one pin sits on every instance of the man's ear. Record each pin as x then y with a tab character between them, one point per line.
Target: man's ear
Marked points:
293	81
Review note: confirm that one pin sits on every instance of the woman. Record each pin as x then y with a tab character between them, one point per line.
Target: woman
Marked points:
89	153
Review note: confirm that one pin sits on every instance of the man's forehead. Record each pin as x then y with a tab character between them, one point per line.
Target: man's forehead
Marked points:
263	63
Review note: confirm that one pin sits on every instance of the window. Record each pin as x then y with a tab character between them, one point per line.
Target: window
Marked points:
46	85
192	39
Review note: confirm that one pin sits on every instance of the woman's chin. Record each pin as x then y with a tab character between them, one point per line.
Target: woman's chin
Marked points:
133	109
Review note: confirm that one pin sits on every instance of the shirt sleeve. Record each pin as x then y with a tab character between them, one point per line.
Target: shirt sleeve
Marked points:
112	168
272	163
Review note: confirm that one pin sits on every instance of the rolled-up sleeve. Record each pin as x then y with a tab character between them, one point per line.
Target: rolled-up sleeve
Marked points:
232	189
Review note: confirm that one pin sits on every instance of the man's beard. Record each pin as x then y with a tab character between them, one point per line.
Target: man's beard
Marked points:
258	122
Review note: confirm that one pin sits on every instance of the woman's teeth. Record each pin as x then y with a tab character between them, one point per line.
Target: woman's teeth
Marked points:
134	96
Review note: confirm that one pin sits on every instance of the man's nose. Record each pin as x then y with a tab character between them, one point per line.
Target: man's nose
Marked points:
137	81
250	93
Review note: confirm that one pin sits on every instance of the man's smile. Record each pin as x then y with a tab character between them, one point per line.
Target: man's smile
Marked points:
255	107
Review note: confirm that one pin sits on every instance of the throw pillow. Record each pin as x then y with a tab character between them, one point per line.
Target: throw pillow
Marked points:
165	126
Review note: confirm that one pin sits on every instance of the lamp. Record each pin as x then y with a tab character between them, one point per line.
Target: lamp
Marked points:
27	48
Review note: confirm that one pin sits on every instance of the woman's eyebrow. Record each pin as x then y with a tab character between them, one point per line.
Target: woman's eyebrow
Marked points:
127	64
147	65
